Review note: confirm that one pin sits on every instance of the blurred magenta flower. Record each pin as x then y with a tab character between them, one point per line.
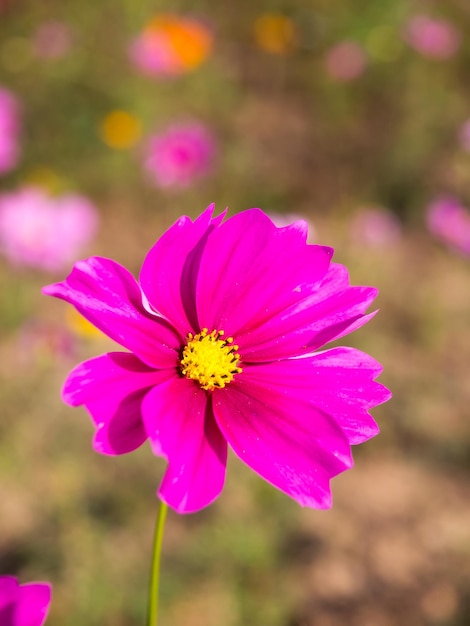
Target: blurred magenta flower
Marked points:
180	154
224	332
23	605
9	130
375	227
42	231
52	39
171	45
449	222
434	38
346	61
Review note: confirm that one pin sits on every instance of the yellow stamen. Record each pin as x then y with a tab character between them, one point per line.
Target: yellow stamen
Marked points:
210	360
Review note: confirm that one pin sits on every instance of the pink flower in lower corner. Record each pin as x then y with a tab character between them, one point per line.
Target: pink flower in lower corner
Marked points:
9	131
43	231
224	332
180	155
23	605
449	222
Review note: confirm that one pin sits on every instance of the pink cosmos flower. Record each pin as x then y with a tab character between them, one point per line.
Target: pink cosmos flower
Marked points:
449	222
433	38
180	155
224	333
9	131
346	61
42	231
375	227
23	605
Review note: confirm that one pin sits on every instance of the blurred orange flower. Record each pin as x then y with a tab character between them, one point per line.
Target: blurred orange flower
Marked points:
171	45
274	33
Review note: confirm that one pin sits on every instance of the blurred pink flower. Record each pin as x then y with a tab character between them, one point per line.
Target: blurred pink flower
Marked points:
375	227
179	155
346	61
9	130
39	341
52	39
224	333
171	45
4	5
464	135
449	222
42	231
434	38
23	605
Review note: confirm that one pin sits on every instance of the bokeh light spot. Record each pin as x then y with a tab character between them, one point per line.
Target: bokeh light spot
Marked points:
120	130
274	33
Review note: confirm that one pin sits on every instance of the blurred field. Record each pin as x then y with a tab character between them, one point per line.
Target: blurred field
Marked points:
292	139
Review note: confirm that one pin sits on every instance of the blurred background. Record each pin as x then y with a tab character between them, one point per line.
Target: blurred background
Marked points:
116	118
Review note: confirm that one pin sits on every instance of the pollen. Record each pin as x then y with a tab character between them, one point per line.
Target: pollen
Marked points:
210	359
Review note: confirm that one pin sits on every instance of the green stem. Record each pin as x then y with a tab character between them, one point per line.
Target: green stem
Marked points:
155	571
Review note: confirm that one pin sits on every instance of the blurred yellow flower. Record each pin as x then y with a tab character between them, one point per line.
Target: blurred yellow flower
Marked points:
274	33
46	178
383	44
78	325
120	130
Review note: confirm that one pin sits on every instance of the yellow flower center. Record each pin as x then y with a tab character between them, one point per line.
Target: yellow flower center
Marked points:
210	360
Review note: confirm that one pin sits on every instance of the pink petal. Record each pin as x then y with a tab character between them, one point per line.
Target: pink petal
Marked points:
112	387
338	382
290	443
332	311
33	604
169	272
8	588
251	271
9	594
7	615
341	305
107	295
180	424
